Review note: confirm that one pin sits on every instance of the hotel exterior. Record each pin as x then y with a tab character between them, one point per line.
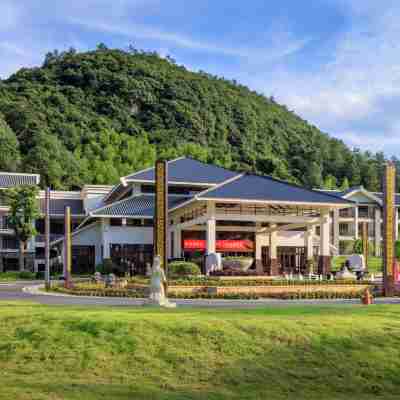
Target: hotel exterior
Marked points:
283	227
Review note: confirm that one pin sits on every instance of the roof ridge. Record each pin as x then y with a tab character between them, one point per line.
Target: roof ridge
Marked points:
115	203
295	185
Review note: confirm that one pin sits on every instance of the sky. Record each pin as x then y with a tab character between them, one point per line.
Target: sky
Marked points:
336	63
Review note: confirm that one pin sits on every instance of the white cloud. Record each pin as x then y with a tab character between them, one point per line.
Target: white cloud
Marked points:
353	88
136	30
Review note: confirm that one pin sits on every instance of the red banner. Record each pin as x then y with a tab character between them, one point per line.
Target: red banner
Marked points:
222	245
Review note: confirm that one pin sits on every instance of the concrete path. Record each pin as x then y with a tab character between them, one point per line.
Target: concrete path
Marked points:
14	291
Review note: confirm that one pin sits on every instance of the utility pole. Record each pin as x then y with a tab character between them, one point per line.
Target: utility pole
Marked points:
47	239
67	247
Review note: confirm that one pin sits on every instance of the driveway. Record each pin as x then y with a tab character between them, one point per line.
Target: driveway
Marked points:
13	291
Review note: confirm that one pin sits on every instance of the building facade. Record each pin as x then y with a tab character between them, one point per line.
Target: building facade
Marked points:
347	224
284	228
213	210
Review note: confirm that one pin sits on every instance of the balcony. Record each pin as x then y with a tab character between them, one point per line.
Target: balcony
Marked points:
41	238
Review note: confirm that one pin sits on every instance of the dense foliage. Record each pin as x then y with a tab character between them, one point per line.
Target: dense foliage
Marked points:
93	117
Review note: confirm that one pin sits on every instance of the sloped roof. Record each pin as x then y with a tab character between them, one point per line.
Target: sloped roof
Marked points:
341	194
264	188
11	179
136	206
187	170
57	206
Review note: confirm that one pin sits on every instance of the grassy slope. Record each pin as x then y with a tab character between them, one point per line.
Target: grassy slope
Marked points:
281	353
374	263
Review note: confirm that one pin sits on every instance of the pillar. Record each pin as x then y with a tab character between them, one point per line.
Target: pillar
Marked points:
105	223
273	252
378	232
336	232
324	266
177	250
309	245
211	229
258	254
356	233
396	223
211	235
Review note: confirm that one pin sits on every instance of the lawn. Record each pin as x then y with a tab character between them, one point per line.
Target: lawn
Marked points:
330	352
374	263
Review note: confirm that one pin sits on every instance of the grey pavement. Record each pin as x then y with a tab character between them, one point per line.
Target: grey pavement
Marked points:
14	291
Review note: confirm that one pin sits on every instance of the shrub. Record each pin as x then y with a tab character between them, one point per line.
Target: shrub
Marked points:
26	275
183	268
108	267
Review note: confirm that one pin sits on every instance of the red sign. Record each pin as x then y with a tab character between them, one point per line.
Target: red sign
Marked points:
222	245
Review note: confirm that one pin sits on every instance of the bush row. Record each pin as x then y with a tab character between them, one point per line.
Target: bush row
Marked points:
351	294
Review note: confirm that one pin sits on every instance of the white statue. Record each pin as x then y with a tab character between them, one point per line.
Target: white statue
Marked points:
157	286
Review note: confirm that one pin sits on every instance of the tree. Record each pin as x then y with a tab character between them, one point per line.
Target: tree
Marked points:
345	185
9	154
24	210
330	182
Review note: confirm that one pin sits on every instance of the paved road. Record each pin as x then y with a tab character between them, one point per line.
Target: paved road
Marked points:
11	292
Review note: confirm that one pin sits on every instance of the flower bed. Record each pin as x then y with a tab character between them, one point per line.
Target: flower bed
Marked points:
135	282
225	292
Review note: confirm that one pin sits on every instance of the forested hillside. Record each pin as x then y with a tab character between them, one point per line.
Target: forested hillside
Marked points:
93	117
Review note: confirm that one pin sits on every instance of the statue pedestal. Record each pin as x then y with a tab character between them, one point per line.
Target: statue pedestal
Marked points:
165	303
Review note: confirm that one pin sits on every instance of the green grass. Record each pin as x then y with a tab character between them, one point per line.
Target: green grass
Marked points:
12	276
348	352
374	263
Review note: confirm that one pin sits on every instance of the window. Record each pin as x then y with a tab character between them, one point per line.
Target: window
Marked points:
115	222
133	222
10	243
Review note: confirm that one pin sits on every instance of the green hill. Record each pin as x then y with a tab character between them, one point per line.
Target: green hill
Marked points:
93	117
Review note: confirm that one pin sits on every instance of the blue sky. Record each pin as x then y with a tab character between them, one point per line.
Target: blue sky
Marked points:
334	62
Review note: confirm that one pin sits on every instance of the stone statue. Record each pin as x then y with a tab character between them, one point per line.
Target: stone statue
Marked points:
110	281
157	286
97	278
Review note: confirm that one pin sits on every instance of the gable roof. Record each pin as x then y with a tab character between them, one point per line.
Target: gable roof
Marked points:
142	206
376	196
252	187
12	179
186	171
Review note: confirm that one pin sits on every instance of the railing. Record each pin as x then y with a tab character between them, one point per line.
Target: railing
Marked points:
41	238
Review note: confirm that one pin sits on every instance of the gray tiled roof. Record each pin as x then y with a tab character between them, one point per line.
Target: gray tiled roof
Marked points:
137	206
189	171
8	179
340	194
265	188
57	206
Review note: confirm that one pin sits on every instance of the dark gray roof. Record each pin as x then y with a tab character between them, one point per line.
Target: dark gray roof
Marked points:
265	188
8	179
341	194
137	206
57	206
189	171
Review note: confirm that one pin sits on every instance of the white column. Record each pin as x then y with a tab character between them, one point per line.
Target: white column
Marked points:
273	243
396	221
336	232
177	250
378	232
211	232
105	224
258	240
324	245
211	235
309	243
356	234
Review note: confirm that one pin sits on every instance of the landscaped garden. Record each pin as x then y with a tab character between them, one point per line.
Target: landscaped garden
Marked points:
340	353
12	276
